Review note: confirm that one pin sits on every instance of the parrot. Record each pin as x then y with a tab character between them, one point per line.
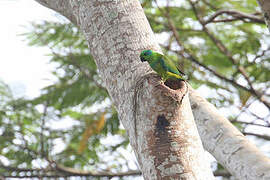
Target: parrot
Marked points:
165	67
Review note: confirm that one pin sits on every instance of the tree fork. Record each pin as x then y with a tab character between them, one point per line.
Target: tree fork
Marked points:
168	142
116	32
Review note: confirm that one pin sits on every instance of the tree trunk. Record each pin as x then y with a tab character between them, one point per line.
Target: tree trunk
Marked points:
116	32
158	119
265	6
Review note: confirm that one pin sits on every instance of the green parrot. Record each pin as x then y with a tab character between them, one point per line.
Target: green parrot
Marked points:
165	67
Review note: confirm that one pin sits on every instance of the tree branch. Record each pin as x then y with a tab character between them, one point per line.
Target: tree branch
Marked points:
265	137
236	14
227	53
68	172
250	123
222	173
222	139
61	6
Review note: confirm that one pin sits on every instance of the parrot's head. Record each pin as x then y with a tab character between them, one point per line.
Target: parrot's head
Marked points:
146	55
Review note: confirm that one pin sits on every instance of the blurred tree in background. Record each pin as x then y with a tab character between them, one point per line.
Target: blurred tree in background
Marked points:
72	128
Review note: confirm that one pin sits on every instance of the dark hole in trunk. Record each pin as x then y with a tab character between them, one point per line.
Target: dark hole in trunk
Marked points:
175	83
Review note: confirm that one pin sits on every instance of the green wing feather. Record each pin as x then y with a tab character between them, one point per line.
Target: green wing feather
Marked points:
169	65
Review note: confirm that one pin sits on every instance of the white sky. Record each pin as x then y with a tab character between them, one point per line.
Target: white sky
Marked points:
25	68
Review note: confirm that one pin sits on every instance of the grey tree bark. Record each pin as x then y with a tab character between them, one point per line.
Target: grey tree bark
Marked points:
228	145
265	6
117	31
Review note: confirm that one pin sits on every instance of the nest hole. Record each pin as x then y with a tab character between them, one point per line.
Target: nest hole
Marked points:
175	84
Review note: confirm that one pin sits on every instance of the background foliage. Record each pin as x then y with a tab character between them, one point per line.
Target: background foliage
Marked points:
72	128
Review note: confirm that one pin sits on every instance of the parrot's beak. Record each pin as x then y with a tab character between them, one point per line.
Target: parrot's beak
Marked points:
142	59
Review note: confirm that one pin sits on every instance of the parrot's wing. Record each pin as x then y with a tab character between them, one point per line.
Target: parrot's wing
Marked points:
169	65
180	71
173	64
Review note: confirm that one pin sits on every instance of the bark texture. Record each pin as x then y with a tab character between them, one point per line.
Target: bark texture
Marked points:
229	146
265	6
168	138
116	32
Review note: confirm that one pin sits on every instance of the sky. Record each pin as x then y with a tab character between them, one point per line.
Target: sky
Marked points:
24	68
